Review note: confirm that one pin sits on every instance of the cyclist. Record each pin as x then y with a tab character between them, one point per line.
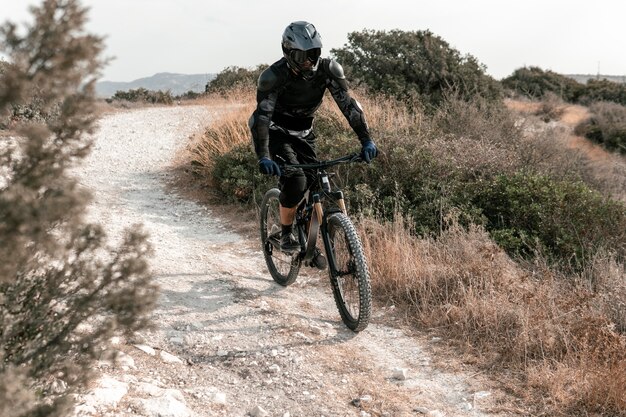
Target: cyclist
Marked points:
288	94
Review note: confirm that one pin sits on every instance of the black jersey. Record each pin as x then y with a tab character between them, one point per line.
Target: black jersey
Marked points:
288	101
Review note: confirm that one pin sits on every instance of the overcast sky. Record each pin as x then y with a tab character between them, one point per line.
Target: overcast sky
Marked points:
205	36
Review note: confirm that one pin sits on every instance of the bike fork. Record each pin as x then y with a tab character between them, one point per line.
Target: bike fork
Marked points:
338	196
330	253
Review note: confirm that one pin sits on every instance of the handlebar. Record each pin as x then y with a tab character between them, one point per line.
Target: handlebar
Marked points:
355	157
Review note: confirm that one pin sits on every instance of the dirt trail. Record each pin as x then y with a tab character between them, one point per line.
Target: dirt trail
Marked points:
229	341
571	117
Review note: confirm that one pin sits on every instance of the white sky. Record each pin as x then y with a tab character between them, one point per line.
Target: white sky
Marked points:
205	36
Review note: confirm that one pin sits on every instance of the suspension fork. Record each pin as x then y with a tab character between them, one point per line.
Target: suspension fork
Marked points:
338	196
315	221
332	261
341	208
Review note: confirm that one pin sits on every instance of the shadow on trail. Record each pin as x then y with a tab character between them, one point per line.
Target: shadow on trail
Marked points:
233	310
342	336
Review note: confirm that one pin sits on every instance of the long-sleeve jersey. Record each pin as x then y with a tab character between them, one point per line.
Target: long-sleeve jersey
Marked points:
290	101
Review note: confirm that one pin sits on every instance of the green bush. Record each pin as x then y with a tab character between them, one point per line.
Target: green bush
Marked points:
566	220
238	177
536	83
606	126
142	95
189	95
234	77
406	179
603	90
413	65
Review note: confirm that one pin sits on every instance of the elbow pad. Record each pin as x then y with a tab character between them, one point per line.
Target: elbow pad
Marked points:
335	72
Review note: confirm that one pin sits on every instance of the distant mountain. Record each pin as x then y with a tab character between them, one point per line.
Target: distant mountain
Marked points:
176	83
583	78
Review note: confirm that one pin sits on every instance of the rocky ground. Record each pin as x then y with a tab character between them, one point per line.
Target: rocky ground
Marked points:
227	340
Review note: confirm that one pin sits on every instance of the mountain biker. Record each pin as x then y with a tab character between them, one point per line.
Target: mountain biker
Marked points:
288	94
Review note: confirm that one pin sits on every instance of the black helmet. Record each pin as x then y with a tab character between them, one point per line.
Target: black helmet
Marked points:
302	43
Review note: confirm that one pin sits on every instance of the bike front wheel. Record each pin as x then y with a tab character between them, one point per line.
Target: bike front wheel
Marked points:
283	267
348	270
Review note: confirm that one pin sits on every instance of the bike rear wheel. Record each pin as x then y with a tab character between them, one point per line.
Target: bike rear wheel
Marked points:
283	267
349	274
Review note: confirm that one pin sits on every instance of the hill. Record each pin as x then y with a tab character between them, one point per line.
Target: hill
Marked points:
176	83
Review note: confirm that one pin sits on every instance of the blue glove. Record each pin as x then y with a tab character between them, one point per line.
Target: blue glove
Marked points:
268	167
369	150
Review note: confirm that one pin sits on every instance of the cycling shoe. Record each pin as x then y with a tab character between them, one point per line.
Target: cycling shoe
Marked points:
288	243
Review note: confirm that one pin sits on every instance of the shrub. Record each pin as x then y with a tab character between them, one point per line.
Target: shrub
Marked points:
567	220
239	179
234	77
63	291
142	95
606	126
475	161
604	90
550	107
34	110
189	95
536	83
413	65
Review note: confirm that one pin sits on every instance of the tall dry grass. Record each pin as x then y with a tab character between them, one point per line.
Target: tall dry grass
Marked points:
228	129
559	334
385	116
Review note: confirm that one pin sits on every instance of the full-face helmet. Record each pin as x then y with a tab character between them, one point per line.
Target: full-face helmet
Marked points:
302	47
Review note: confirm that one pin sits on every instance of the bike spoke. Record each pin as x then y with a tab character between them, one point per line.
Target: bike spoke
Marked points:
283	267
348	286
350	291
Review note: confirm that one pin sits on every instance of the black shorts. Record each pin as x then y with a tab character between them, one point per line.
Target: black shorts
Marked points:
289	149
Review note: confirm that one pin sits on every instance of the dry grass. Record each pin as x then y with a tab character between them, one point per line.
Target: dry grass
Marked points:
551	107
228	130
384	115
557	332
524	106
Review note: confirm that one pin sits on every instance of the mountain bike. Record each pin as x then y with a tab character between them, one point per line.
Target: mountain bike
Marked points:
322	211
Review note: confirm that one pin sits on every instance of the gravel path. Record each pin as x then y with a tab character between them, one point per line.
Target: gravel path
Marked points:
228	341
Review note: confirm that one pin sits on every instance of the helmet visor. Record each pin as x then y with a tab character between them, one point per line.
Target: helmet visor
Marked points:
300	57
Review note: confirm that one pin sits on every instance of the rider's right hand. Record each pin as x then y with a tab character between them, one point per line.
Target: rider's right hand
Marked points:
268	167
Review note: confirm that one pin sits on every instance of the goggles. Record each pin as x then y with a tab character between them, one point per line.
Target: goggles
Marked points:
300	57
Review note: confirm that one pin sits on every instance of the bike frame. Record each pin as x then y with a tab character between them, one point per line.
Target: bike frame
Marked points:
311	214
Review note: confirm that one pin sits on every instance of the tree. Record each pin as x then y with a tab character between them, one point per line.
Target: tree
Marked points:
534	82
63	290
413	64
604	90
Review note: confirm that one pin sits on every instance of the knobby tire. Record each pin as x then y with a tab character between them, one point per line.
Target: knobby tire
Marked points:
283	268
351	288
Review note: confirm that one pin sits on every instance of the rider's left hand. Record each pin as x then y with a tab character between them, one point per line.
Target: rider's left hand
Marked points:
369	150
